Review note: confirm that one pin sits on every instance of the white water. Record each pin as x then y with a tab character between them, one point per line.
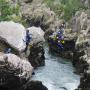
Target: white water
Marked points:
57	73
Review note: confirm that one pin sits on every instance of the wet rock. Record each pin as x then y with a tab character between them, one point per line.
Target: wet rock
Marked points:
36	56
85	78
81	57
68	46
14	72
12	34
85	81
35	85
80	61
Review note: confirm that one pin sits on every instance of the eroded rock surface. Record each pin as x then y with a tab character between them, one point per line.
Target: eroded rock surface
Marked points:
14	72
37	35
12	34
36	56
83	58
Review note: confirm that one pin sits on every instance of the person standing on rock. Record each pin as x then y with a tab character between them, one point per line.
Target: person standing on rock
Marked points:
27	40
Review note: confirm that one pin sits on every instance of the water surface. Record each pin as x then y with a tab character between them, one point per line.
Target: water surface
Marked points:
57	73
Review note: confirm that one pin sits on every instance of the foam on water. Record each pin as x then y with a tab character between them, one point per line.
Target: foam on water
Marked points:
57	74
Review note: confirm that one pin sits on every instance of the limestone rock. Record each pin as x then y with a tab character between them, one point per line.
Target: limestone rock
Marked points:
14	71
37	34
14	63
38	14
13	34
36	56
79	22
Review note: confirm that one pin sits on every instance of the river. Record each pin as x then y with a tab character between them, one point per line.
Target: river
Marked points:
57	73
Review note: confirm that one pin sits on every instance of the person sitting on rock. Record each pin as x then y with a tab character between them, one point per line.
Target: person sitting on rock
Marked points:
62	27
8	50
27	39
60	46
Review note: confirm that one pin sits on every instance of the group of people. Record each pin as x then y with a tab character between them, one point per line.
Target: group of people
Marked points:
28	37
27	40
58	38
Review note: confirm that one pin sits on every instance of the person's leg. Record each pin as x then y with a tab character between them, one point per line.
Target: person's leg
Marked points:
26	48
60	46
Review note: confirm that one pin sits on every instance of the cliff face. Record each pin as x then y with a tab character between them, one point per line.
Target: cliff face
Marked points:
86	3
76	47
37	14
81	58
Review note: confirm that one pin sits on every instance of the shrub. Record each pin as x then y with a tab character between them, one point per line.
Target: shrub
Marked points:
67	7
6	10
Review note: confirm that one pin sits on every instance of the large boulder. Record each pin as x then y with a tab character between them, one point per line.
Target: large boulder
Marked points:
14	72
34	85
85	81
36	56
83	64
12	34
38	14
37	34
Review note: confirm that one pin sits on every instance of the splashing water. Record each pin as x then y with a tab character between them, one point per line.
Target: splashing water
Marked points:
57	74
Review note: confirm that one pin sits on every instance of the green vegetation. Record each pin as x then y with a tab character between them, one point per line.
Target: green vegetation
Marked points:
64	8
7	11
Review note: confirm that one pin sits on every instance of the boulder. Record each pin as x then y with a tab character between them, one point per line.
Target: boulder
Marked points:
36	56
84	66
85	79
37	34
12	34
14	72
38	14
35	85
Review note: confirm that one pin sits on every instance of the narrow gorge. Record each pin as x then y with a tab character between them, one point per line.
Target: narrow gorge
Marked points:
44	45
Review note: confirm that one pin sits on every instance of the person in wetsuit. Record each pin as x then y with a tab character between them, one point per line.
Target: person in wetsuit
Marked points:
27	39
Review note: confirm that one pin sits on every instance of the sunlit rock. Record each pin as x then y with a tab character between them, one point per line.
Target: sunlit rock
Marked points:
13	34
14	71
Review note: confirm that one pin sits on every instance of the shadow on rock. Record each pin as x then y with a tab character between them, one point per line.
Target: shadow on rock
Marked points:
34	85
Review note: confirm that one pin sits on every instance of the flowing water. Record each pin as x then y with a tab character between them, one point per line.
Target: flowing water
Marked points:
57	74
